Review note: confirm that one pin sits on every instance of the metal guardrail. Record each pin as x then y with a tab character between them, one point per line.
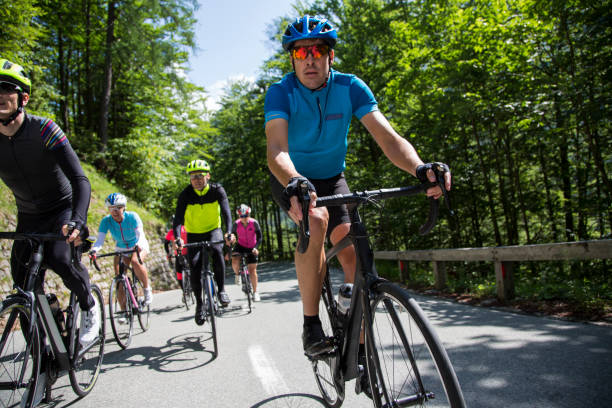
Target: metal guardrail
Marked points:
504	258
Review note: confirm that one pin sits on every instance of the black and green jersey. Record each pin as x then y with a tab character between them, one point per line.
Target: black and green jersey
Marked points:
201	211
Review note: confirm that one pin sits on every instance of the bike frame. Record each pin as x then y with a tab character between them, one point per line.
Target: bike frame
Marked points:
40	309
365	277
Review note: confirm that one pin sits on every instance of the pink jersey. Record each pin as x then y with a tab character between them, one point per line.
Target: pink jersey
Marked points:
247	236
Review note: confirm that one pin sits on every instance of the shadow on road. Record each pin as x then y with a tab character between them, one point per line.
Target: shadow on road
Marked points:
288	400
187	351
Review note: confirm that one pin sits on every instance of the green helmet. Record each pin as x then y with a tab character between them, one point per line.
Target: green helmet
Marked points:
14	74
197	165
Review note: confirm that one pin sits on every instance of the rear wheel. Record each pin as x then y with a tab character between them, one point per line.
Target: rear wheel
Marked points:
120	311
144	310
19	353
406	362
86	362
210	310
326	369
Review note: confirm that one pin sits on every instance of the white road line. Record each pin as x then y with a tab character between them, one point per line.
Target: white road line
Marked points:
269	376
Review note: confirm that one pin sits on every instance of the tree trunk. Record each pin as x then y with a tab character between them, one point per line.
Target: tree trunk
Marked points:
488	187
63	81
108	76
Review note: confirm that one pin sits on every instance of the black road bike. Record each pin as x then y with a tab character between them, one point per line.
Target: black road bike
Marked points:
40	341
212	307
405	363
126	299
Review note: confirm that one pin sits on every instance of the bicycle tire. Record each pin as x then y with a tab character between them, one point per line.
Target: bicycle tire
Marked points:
187	291
15	353
210	304
405	360
122	321
144	310
327	369
85	367
248	289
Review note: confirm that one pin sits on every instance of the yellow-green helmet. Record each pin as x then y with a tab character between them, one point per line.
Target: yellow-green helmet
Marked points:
14	74
197	165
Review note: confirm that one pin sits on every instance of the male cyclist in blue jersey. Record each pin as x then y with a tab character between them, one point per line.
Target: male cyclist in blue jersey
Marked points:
307	118
127	230
200	207
51	190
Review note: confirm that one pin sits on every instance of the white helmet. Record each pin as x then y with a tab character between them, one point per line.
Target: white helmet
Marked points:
115	199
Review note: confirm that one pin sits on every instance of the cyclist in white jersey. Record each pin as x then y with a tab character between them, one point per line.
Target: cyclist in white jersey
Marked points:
127	230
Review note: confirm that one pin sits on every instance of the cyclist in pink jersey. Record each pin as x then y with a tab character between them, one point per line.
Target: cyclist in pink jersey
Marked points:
170	247
249	237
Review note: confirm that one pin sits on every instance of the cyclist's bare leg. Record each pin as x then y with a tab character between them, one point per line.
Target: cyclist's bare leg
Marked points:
309	266
253	274
347	257
140	269
236	263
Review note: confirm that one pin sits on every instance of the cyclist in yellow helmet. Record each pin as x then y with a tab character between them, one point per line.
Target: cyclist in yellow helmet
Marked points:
51	190
203	209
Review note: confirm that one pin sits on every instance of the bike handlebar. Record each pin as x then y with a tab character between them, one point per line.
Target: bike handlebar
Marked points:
369	196
201	243
93	257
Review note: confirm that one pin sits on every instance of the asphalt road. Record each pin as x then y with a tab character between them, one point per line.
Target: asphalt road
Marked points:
502	359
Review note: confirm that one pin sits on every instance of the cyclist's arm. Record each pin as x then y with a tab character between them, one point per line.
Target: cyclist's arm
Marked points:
81	188
258	234
397	149
99	241
226	214
279	161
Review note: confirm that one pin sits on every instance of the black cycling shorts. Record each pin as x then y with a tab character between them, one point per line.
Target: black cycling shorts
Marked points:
334	185
239	249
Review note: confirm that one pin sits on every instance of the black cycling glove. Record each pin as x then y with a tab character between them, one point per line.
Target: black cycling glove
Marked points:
292	189
421	170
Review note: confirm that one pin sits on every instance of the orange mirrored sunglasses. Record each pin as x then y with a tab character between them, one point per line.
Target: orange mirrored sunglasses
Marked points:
317	51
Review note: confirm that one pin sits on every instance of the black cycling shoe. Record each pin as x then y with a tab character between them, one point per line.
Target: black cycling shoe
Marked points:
314	341
200	315
363	384
224	299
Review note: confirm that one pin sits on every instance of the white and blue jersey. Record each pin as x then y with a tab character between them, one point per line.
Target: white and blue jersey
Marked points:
319	120
126	233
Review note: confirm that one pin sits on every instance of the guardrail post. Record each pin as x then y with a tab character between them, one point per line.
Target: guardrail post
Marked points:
439	270
504	280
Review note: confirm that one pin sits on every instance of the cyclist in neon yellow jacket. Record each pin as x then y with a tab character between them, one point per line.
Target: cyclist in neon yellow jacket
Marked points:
200	208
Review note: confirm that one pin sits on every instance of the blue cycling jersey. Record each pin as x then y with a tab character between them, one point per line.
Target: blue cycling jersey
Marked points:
126	233
319	120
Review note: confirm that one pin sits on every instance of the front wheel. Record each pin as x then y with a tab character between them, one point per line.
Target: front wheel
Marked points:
120	312
86	362
327	369
20	357
247	288
406	362
210	310
187	291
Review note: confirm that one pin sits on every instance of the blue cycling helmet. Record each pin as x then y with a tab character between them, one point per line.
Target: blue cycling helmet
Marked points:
309	27
115	199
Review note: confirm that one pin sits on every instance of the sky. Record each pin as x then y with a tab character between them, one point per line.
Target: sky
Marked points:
231	41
